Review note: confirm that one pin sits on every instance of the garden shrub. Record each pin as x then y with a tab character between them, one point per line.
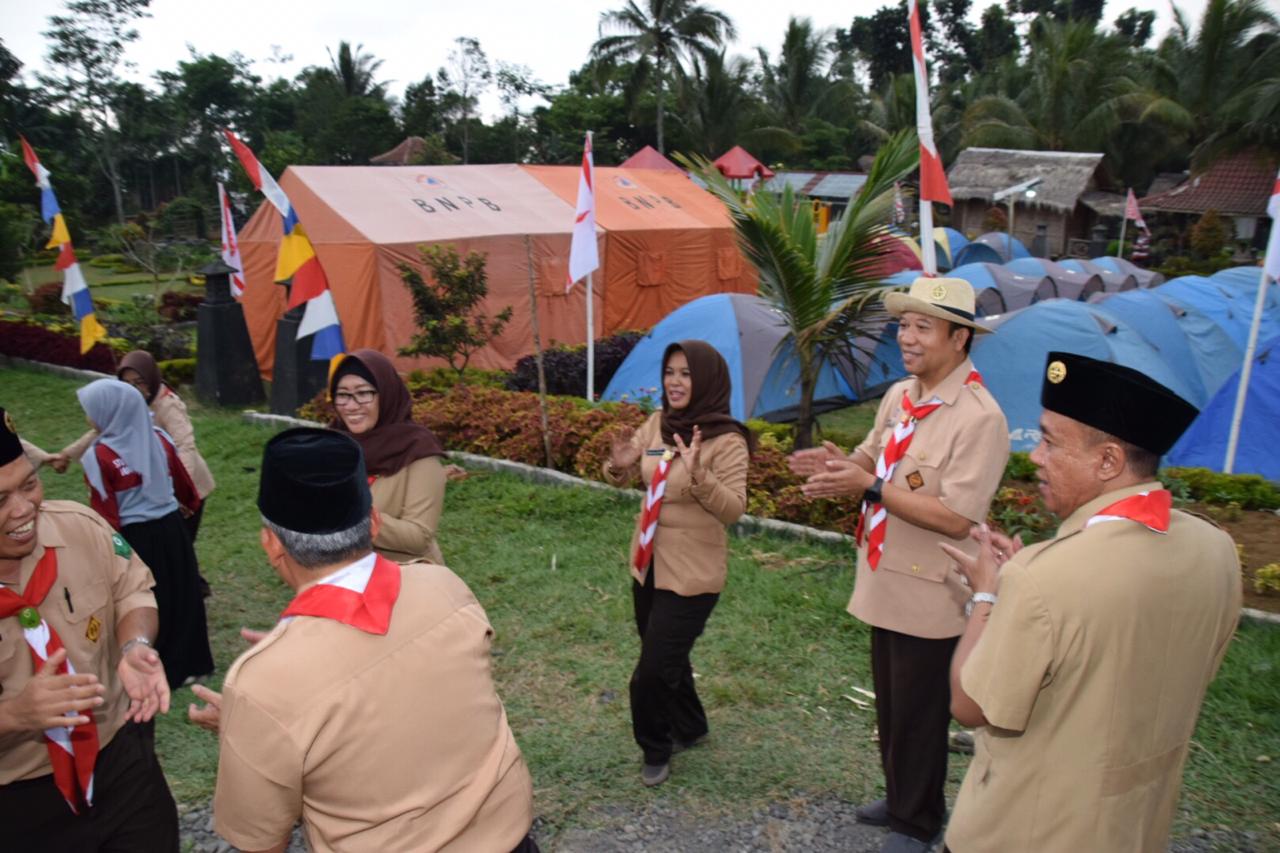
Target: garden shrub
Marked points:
32	341
1247	491
1020	467
566	367
47	299
177	371
1267	579
179	306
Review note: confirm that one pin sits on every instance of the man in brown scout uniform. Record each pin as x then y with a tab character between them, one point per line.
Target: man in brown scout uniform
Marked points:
927	470
1088	674
79	680
369	710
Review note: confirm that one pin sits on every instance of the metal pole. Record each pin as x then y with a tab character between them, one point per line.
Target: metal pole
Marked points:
1124	223
1238	415
591	344
1008	249
537	353
929	255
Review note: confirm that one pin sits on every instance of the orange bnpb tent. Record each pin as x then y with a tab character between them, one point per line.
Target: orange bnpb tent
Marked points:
662	242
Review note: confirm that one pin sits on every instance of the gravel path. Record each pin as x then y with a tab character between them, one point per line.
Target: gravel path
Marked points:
813	826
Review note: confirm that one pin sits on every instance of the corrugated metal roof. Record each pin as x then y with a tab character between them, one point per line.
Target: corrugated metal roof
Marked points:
795	180
838	186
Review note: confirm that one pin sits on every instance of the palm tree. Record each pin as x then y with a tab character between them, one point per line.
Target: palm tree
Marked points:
354	70
715	105
658	39
827	288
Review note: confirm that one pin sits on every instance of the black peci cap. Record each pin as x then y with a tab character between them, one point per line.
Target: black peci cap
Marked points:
10	446
313	481
1118	400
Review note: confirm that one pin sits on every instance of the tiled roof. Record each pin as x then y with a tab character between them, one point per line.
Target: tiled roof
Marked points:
1237	185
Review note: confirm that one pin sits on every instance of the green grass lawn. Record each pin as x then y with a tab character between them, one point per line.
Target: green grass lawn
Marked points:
107	284
777	666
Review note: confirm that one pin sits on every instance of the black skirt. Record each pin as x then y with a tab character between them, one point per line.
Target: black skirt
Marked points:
183	642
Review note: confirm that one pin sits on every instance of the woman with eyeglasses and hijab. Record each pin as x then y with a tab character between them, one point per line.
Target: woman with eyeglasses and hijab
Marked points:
402	458
137	483
692	456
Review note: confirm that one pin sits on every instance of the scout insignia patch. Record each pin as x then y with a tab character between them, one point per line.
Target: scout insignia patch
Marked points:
914	480
1057	372
122	548
94	630
939	292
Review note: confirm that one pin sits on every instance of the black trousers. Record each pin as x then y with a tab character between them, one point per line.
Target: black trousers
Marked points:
193	521
132	808
664	704
912	678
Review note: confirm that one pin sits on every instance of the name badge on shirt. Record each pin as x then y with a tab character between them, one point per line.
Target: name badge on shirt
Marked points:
655	451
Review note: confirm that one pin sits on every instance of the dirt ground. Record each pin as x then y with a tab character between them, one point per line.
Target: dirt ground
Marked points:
1258	533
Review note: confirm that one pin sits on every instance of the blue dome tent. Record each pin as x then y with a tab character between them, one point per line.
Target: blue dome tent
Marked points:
1145	277
1226	302
1204	444
1012	360
990	248
1071	283
1112	281
747	331
998	289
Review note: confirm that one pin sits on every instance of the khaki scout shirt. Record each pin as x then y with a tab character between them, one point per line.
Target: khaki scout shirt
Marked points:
410	502
691	546
1091	671
170	414
100	579
381	743
957	454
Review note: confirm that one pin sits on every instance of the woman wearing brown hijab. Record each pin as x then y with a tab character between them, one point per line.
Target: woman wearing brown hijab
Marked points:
402	457
692	456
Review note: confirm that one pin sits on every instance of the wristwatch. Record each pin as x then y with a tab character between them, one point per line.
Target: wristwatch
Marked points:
978	597
872	495
136	641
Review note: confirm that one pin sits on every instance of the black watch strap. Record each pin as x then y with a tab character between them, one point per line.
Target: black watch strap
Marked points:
872	495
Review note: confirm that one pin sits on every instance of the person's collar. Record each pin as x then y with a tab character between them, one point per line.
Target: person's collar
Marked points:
1076	520
948	389
351	576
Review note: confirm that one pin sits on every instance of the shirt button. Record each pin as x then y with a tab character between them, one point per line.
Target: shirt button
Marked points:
915	569
922	457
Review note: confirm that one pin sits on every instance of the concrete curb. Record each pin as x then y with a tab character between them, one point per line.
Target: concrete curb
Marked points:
745	525
1260	615
56	369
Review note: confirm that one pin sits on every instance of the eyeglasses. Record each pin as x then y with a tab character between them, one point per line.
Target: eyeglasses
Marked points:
363	397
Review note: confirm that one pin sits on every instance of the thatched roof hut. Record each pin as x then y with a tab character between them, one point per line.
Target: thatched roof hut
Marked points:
978	173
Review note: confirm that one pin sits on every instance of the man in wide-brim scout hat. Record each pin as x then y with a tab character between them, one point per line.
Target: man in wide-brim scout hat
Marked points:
949	299
1086	677
927	471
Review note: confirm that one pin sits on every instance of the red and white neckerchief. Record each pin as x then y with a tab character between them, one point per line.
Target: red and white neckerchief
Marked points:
362	595
649	512
874	517
73	750
1150	509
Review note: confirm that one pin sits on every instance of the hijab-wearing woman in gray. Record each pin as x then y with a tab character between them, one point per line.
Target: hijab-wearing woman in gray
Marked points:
137	483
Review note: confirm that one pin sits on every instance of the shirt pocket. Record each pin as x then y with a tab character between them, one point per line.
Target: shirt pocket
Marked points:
85	614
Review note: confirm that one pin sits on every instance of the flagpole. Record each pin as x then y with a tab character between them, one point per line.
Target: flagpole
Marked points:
1124	223
1237	415
929	255
537	353
591	343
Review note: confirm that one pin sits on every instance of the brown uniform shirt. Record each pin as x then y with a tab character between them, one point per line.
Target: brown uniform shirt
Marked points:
1091	671
170	414
957	454
100	579
691	547
381	743
410	501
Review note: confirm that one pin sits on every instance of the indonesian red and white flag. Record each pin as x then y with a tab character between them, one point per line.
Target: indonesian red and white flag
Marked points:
230	245
1271	266
933	180
1131	211
583	255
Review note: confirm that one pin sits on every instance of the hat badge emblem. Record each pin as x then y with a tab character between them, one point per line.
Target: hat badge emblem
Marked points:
939	291
1057	372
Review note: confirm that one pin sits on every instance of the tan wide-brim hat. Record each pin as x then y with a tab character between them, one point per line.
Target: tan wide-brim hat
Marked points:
945	298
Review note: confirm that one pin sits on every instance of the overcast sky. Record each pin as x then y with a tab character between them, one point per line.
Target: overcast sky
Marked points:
414	37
